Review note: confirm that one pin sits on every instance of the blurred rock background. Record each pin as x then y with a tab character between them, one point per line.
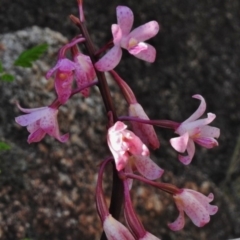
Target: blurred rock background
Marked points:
47	189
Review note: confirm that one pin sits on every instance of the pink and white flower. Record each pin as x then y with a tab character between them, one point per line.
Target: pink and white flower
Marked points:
195	130
132	41
145	132
63	78
129	151
196	206
39	122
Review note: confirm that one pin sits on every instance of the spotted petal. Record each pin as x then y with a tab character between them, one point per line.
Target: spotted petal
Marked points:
125	19
30	118
147	167
110	60
145	31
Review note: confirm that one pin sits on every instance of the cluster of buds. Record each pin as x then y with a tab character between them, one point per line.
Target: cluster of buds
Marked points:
129	148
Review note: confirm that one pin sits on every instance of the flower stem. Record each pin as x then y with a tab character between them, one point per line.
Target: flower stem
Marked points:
159	123
166	187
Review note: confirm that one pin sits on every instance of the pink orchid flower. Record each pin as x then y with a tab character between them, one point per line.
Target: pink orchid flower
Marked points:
115	230
145	132
129	151
39	122
195	130
84	72
196	206
132	41
63	78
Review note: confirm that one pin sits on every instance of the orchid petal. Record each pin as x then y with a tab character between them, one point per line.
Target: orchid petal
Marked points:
209	131
179	223
124	19
117	34
201	198
180	143
147	167
138	48
206	142
199	122
27	119
81	79
190	150
135	145
196	211
33	126
36	136
50	125
110	60
147	55
29	110
145	31
84	72
199	112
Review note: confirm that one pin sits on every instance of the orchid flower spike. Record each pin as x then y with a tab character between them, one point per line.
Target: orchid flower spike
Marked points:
132	41
63	78
196	206
195	130
144	131
129	151
39	122
84	71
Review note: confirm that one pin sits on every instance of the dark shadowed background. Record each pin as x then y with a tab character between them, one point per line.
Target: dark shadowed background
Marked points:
198	51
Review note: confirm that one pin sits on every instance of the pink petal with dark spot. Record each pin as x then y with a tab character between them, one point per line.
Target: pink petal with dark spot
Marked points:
147	167
110	60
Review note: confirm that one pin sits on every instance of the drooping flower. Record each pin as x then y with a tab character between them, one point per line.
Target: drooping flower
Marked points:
129	151
63	78
145	132
195	130
115	230
84	72
196	206
39	122
132	41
